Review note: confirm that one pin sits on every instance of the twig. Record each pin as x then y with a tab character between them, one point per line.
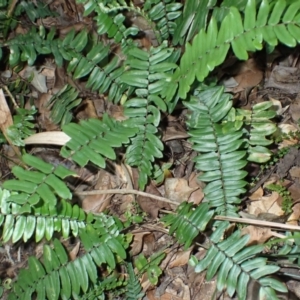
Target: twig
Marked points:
11	96
127	191
279	226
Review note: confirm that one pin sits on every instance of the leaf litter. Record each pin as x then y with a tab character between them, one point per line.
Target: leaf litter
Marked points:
245	81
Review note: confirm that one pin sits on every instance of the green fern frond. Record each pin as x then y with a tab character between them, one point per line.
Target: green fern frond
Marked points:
134	290
102	73
92	140
146	72
34	10
220	157
110	21
22	127
99	290
62	103
164	15
24	222
44	183
193	18
272	24
57	277
258	118
187	223
235	264
150	265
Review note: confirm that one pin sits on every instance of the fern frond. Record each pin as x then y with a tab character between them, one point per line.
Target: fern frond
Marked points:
22	127
260	127
220	157
235	264
44	183
23	222
193	18
163	14
146	72
134	290
102	73
187	223
61	104
271	23
110	21
56	276
92	140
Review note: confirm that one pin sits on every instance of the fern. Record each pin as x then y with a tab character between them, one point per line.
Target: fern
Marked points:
134	289
220	156
146	72
57	277
23	222
103	79
235	264
187	223
22	127
45	183
210	46
147	83
93	139
62	103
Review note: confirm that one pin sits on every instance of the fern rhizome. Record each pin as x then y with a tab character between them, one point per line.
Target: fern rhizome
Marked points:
188	41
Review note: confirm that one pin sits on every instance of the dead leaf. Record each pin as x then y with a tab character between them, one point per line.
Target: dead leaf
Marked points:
178	190
257	194
266	204
38	79
74	252
137	244
258	235
295	215
98	203
196	196
295	172
278	106
181	259
247	75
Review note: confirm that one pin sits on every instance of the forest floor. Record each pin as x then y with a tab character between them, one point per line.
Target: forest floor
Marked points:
273	77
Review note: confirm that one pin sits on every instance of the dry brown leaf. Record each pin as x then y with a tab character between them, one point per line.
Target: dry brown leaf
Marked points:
248	75
178	190
181	259
294	189
137	244
197	196
295	215
258	235
98	203
278	106
266	204
257	194
87	110
295	172
295	109
74	252
150	205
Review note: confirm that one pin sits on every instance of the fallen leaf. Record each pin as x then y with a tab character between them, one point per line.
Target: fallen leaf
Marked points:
98	203
258	235
295	215
196	196
266	204
181	259
178	190
295	172
257	194
137	244
74	252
